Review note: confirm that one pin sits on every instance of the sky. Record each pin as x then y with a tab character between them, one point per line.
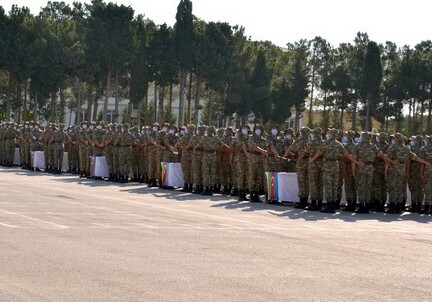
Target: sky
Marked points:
283	21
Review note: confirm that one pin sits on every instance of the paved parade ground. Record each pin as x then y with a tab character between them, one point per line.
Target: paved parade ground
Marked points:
68	239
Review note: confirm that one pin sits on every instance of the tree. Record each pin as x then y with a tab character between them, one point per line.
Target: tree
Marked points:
260	94
109	41
372	79
299	79
183	29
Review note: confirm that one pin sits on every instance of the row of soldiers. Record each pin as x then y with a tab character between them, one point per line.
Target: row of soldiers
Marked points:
370	166
233	162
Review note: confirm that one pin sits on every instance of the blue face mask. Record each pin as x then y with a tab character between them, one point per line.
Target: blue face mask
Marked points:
413	143
393	141
344	139
328	137
357	140
258	132
288	137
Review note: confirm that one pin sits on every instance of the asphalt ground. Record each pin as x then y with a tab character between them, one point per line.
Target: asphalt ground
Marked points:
63	238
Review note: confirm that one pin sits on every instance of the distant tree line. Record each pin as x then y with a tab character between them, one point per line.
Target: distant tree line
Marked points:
102	50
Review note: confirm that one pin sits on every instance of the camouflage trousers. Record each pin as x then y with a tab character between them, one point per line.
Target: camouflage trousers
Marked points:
124	160
350	183
134	161
242	172
331	180
142	162
415	183
316	179
154	168
428	185
302	168
397	183
186	163
225	171
364	178
209	171
379	183
197	167
256	172
57	155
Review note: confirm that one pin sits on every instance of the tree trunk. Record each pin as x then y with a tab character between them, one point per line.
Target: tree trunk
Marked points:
107	95
25	111
89	106
421	118
409	117
35	108
62	106
53	107
170	97
354	112
160	107
116	100
155	102
311	97
188	114
95	106
384	124
181	97
78	108
341	125
197	99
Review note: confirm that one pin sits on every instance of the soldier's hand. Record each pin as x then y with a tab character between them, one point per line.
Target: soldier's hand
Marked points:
360	163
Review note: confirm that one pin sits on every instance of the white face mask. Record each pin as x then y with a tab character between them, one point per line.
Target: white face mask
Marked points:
344	139
258	131
91	127
328	137
413	143
164	129
274	131
357	140
288	136
245	131
99	127
171	132
393	141
182	132
155	129
36	127
143	131
84	126
26	126
377	139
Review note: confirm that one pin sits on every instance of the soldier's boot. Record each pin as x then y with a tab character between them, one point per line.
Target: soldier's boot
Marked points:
319	205
380	206
257	198
196	189
413	207
190	187
206	191
348	207
426	210
328	208
419	207
363	209
392	208
400	208
216	189
302	204
185	187
337	205
240	195
313	206
234	192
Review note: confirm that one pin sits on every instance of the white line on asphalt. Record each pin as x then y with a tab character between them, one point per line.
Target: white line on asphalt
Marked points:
60	226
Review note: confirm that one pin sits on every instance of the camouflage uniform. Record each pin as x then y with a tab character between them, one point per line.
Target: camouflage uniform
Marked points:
59	138
197	155
142	144
125	142
154	168
349	179
186	158
315	170
272	163
256	163
241	162
367	153
415	181
331	150
426	154
302	166
210	144
171	139
288	140
225	168
396	173
379	181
